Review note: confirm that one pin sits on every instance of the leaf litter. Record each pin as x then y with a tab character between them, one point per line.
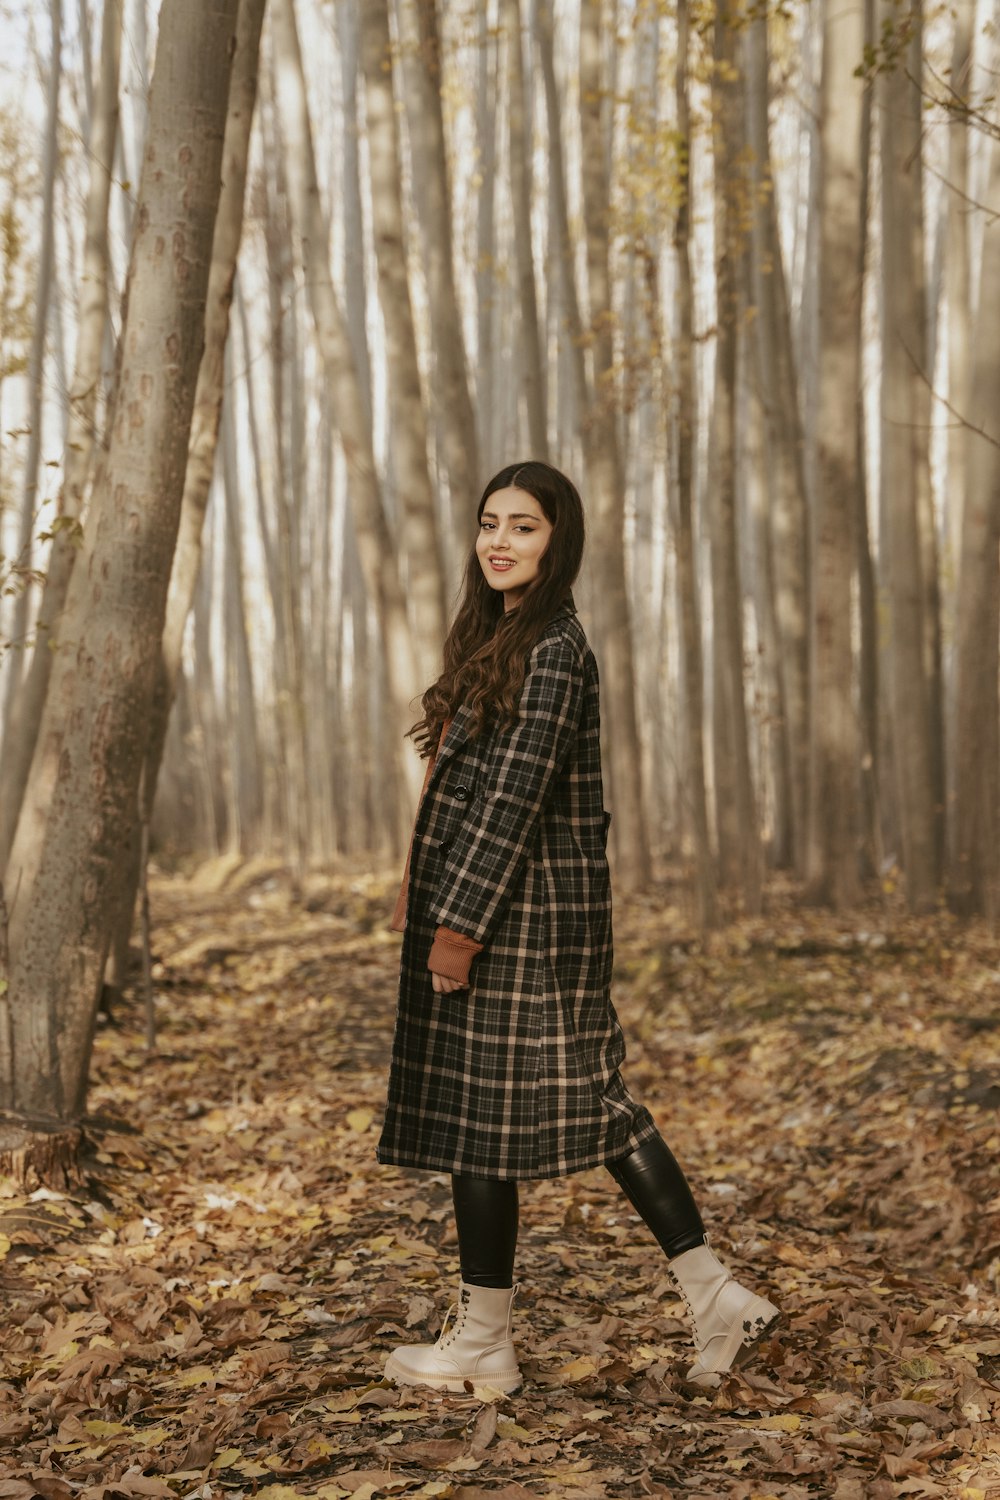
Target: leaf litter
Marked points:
207	1313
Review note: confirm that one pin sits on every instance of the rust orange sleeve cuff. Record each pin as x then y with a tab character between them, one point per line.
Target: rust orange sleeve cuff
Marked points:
452	953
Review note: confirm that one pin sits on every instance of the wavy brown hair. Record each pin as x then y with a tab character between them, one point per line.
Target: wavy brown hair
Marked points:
486	652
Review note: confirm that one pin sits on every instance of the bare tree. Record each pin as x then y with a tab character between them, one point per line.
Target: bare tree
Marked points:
36	360
974	883
65	872
683	428
833	734
22	728
902	453
421	541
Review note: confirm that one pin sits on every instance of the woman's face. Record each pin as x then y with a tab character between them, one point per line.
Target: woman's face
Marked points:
513	535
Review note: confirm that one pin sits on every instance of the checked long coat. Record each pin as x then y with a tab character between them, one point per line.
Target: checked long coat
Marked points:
518	1076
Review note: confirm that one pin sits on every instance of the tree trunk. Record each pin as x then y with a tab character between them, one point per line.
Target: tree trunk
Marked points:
432	191
684	426
604	480
22	729
244	752
375	544
66	870
974	883
833	732
487	84
519	127
204	429
36	366
419	532
901	457
787	510
742	838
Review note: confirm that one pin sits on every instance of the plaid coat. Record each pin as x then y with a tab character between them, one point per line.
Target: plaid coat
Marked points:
518	1076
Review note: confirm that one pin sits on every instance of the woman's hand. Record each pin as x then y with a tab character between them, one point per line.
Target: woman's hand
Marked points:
445	986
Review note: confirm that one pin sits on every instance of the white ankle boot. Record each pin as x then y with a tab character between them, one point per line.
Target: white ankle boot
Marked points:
728	1318
476	1346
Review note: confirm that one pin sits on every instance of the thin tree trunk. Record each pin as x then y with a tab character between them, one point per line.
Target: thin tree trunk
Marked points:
36	363
742	838
834	742
376	547
788	509
519	127
901	459
421	542
22	729
605	487
204	427
245	747
684	425
868	667
432	191
486	246
974	883
66	871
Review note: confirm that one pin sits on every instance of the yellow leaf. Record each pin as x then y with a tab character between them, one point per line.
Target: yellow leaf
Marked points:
197	1375
786	1422
150	1437
4	1245
580	1369
226	1459
360	1119
100	1429
460	1465
253	1470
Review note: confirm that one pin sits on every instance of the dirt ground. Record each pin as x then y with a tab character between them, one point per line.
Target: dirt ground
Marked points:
207	1312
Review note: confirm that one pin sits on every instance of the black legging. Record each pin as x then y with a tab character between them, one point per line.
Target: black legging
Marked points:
486	1212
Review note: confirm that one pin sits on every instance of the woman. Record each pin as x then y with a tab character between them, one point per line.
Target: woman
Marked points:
507	1049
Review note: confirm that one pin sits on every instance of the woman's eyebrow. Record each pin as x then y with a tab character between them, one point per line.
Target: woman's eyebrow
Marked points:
516	515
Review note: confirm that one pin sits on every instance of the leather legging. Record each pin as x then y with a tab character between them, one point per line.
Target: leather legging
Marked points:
486	1212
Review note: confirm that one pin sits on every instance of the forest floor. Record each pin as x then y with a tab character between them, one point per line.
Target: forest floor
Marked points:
207	1313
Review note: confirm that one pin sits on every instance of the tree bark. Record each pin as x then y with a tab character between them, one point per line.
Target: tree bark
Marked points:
36	365
376	546
738	832
901	458
65	872
519	128
832	869
420	536
432	191
22	729
684	425
204	435
605	483
788	508
974	883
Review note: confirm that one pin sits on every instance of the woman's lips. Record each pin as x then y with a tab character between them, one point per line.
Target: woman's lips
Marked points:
501	564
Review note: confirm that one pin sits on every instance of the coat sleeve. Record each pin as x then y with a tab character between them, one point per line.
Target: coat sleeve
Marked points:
491	850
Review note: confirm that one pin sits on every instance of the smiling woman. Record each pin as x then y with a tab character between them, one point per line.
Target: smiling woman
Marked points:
507	1050
514	532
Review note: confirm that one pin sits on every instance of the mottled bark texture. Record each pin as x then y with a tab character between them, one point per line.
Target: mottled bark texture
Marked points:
66	869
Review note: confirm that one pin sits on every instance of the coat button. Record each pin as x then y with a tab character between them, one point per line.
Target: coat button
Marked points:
461	793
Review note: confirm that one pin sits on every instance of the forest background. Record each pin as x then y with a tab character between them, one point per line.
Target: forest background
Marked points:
270	313
280	287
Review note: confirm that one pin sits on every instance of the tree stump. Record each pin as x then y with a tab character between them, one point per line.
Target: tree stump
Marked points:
41	1156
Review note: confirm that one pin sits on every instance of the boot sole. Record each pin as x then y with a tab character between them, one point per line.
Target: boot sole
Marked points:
506	1381
747	1347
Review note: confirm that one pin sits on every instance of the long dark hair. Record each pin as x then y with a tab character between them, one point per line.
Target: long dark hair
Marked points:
487	650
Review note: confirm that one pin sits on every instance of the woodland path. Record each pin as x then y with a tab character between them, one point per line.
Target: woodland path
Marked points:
206	1312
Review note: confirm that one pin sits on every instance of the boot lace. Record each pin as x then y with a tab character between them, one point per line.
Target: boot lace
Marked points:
451	1330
